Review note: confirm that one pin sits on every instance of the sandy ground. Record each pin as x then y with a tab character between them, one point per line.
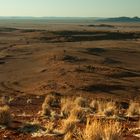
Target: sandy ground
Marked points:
88	62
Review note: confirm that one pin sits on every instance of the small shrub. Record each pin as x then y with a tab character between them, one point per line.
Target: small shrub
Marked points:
51	101
5	116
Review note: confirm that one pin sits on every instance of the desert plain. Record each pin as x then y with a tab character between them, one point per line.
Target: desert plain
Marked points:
91	61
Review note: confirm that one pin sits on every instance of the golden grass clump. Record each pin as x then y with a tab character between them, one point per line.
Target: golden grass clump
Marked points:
5	116
68	125
134	109
99	130
112	131
108	108
82	102
50	127
92	131
78	113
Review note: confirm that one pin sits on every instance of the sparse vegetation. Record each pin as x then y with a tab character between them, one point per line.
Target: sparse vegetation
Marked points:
65	84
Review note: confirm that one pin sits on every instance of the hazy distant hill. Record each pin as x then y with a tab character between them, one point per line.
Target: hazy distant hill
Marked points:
72	19
121	19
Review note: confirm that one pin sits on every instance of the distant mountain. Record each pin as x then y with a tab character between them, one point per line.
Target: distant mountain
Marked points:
73	19
121	19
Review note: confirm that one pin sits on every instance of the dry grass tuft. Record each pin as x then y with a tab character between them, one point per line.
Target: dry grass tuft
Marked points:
5	116
68	136
68	125
108	108
82	102
78	113
94	105
50	127
66	106
112	131
97	130
50	101
134	109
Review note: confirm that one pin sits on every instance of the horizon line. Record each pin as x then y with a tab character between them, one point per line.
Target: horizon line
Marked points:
69	16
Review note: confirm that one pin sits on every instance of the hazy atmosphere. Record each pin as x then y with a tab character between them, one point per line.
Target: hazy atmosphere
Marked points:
70	8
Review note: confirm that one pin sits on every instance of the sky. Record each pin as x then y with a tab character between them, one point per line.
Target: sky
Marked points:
70	8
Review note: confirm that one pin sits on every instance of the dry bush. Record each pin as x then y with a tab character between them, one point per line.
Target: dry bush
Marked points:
134	109
108	108
82	102
109	111
5	116
49	102
94	105
78	114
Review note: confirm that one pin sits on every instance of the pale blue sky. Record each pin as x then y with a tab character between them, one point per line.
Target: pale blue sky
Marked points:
70	8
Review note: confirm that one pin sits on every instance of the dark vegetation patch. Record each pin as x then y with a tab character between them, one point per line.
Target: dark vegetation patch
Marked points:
123	105
86	69
103	88
111	61
72	59
74	36
77	36
107	71
7	29
101	25
125	74
95	51
30	30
